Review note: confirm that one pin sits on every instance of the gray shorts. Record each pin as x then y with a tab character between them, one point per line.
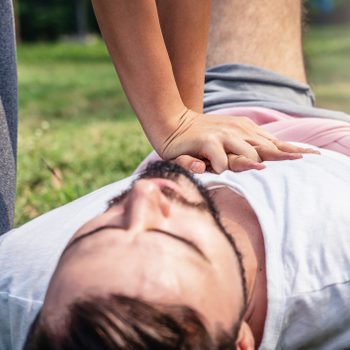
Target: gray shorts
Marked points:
238	85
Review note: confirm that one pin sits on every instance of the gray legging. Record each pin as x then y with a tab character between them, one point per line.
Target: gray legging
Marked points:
8	116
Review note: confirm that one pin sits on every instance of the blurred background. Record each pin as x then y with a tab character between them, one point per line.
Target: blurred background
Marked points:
76	129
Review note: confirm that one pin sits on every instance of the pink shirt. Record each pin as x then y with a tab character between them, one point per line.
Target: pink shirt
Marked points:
324	133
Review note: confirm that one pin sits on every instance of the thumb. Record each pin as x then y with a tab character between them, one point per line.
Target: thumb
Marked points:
190	163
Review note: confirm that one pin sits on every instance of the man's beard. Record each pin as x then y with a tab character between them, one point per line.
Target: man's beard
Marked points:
171	171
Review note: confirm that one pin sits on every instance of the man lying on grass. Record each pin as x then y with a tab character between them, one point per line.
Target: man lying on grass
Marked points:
236	260
258	258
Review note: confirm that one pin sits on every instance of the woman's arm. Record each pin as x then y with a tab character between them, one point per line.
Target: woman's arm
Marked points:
161	89
134	39
185	27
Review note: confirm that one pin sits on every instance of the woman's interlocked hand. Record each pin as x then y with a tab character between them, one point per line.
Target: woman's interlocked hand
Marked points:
216	142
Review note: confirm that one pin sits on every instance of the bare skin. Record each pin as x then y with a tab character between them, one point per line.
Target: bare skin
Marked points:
187	51
238	217
129	235
267	34
159	54
134	240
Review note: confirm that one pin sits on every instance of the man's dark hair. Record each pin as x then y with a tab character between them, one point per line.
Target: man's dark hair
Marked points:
120	322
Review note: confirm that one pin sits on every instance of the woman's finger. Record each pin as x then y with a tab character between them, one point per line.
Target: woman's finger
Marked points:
240	163
264	133
288	147
190	163
266	153
240	147
216	155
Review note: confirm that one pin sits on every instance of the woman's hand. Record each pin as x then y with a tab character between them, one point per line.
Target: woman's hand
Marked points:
216	142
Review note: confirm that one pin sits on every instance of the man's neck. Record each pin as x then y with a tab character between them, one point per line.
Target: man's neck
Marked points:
240	220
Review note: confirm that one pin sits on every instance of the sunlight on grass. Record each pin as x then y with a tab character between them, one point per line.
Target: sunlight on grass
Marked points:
76	132
61	161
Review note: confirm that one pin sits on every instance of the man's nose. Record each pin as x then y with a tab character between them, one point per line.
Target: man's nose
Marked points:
146	206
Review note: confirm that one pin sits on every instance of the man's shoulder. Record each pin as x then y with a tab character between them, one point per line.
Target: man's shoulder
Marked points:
302	208
318	319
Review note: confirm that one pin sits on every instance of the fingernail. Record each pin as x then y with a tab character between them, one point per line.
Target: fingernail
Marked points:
311	150
196	167
315	151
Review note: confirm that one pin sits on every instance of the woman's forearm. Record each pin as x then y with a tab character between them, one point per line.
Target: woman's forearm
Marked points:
133	36
185	26
162	88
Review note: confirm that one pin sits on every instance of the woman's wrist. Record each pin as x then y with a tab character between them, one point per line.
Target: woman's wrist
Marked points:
161	130
183	123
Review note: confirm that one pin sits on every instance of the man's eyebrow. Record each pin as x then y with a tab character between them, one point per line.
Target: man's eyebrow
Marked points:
188	243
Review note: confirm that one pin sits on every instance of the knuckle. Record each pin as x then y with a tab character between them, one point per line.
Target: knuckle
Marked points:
209	139
248	121
244	119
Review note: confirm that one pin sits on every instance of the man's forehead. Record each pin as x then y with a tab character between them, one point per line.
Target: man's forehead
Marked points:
155	273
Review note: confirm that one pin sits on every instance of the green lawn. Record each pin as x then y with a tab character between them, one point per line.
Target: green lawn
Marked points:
328	57
77	132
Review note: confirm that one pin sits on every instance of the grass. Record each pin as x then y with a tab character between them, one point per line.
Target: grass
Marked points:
78	133
328	54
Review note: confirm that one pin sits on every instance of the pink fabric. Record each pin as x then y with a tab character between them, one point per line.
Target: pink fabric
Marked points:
323	133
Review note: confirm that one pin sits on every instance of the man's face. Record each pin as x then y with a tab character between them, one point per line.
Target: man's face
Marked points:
160	242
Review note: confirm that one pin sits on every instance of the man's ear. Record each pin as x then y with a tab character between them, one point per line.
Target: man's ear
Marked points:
245	340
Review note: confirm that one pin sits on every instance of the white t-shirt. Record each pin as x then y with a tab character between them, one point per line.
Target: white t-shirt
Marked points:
302	207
